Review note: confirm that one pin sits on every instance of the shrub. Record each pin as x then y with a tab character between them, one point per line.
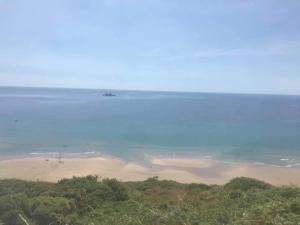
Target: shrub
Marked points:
244	183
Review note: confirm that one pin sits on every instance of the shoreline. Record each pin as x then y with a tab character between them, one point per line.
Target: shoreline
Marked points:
184	170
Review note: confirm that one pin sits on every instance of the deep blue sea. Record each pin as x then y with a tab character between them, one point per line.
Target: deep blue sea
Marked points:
136	125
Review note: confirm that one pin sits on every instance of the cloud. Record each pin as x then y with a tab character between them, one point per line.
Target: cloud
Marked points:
48	64
287	48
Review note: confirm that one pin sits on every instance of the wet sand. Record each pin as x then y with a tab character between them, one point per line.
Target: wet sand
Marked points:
179	169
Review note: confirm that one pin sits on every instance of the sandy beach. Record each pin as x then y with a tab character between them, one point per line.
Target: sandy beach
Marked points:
178	169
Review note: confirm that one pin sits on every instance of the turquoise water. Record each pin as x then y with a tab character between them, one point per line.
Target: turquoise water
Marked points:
138	125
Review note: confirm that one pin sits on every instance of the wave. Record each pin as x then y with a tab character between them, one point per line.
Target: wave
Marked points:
64	153
284	159
293	165
44	153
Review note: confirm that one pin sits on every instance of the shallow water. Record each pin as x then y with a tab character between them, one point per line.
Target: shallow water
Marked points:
137	125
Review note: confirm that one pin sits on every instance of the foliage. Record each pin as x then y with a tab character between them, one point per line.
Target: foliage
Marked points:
244	183
92	201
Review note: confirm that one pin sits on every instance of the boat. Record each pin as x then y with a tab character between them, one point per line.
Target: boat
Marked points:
108	95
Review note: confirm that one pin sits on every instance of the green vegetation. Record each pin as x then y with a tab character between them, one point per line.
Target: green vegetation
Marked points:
91	201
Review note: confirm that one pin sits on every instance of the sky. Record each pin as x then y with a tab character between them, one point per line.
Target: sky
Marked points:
235	46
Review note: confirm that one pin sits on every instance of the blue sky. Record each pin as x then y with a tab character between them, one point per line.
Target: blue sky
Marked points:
243	46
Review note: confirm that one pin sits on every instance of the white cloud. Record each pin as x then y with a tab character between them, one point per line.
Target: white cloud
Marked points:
286	48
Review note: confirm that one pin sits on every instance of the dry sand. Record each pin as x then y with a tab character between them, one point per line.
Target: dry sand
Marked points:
181	170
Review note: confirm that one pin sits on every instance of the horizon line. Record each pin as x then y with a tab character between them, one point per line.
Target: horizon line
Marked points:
149	90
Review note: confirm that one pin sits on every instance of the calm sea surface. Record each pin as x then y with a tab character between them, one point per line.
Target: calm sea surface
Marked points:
138	125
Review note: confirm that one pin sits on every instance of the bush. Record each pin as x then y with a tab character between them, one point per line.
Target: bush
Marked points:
90	201
11	217
244	184
116	190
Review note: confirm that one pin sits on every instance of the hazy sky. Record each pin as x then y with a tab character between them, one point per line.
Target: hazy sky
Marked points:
250	46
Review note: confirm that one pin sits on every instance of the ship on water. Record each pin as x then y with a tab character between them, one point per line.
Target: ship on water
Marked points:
109	95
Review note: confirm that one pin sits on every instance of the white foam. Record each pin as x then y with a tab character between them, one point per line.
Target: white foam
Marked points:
284	159
292	165
44	153
87	153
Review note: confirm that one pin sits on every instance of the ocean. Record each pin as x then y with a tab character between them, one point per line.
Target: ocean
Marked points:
138	125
